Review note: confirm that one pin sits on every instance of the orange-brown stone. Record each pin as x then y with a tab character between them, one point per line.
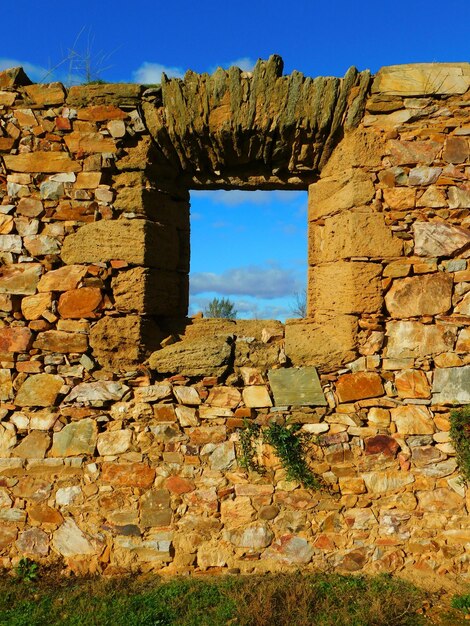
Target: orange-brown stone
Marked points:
178	485
164	412
29	207
8	534
412	384
64	279
6	224
128	474
89	142
20	278
224	397
33	307
455	150
15	339
101	113
47	162
420	295
79	303
351	387
412	152
6	144
52	93
323	542
61	341
381	444
44	514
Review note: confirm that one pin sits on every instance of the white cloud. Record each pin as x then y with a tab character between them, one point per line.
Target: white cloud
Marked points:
244	63
268	282
151	73
35	72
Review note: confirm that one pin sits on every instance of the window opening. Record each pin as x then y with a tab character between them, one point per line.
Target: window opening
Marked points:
250	248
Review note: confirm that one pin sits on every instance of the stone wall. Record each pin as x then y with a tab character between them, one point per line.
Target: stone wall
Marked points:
120	418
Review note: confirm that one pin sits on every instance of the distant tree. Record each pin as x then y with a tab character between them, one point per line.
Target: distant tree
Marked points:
299	306
220	308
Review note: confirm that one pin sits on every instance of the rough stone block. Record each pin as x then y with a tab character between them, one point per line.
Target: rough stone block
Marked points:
326	343
205	356
137	154
208	327
148	292
360	233
345	288
400	198
352	188
33	446
123	342
358	148
456	150
155	508
440	500
33	307
101	113
131	195
139	242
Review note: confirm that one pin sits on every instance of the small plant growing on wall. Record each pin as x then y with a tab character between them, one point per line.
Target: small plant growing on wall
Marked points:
27	570
460	436
249	435
290	444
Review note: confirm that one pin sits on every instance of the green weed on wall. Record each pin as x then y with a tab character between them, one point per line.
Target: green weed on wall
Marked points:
460	436
290	444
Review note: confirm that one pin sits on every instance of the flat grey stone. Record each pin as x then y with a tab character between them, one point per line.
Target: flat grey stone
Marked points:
299	386
451	385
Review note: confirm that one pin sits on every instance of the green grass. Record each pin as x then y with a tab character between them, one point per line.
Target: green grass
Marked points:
284	599
462	603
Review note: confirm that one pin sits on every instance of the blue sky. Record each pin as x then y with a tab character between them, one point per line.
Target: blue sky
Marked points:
250	247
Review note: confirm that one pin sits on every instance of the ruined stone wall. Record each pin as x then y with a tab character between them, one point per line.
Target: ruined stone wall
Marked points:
120	418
